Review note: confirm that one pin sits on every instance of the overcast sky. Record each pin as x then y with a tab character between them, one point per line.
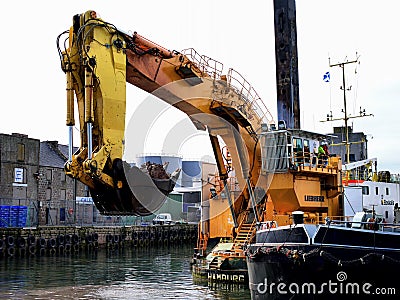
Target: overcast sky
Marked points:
241	36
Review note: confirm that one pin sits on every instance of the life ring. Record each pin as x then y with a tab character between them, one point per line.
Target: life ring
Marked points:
371	223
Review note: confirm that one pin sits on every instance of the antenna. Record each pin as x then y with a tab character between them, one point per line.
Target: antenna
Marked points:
344	110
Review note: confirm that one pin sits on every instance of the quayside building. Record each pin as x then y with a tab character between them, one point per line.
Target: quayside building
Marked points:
34	189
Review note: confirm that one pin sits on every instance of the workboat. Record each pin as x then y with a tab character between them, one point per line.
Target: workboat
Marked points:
348	256
289	168
222	266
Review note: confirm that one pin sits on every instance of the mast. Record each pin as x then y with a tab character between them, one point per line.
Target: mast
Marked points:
346	115
342	65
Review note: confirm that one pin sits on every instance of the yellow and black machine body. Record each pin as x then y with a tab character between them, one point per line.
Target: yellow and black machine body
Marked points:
300	178
271	170
98	60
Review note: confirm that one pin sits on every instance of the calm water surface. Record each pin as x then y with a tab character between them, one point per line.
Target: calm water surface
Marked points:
131	274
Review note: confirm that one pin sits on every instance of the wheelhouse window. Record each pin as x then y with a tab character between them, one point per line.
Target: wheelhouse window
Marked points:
297	150
307	151
365	190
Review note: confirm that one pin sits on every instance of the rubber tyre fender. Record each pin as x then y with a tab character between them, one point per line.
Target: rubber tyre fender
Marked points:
42	242
21	242
10	240
11	251
60	239
75	239
31	240
32	250
67	239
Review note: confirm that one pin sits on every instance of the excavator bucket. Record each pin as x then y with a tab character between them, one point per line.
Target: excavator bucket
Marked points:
138	193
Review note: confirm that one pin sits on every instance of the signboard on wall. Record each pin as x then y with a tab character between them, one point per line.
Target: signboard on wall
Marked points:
84	200
19	175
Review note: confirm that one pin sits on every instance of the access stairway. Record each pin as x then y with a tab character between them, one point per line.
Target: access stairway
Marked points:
244	236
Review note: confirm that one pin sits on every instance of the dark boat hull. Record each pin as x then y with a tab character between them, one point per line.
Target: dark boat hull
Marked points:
315	270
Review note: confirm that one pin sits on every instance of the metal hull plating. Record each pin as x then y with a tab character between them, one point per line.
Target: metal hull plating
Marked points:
322	262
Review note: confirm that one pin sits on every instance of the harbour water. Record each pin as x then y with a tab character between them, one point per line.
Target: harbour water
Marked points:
142	273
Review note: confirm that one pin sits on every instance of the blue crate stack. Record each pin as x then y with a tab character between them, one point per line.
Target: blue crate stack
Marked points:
22	214
4	215
13	216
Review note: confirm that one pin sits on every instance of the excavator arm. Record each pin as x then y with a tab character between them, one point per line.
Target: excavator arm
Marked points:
98	62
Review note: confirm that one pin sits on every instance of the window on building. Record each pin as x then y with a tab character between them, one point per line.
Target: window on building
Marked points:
62	194
386	214
20	152
62	214
365	190
48	194
387	191
352	157
376	190
49	174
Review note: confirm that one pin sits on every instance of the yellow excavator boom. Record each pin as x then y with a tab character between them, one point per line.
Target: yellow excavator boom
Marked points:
98	61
